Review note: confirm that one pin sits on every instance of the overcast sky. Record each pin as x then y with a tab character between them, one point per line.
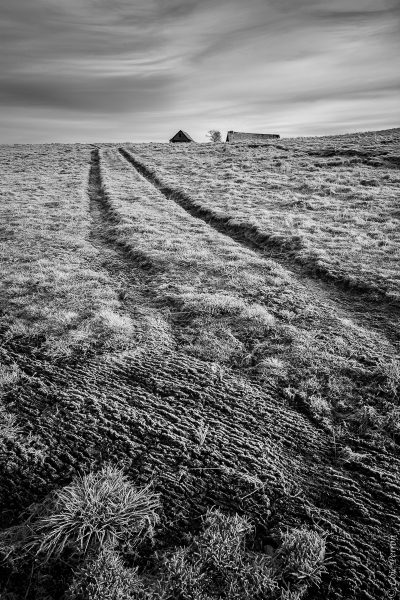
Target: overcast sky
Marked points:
118	70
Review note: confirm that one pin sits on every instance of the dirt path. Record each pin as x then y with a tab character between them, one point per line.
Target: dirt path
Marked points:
343	302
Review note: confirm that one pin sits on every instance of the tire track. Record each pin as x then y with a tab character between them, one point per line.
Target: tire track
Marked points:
146	409
132	281
377	315
171	397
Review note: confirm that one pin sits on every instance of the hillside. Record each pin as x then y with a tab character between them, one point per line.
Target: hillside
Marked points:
219	323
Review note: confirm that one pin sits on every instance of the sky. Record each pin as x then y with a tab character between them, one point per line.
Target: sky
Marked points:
140	70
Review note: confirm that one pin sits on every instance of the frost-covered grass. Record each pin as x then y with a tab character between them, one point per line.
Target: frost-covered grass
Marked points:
94	523
229	305
53	295
270	456
96	511
330	202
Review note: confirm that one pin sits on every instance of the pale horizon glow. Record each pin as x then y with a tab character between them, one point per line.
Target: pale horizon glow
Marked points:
139	70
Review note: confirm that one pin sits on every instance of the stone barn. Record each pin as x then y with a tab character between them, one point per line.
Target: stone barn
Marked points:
181	136
239	136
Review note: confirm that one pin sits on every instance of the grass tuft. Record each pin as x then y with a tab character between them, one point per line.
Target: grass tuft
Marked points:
95	511
104	577
300	556
217	564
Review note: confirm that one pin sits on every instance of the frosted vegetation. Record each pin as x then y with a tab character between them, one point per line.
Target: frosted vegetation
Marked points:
199	370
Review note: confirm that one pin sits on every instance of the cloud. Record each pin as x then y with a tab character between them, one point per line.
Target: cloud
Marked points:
107	94
150	66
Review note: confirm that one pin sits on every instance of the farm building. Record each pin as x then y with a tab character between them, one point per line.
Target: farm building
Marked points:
181	136
239	136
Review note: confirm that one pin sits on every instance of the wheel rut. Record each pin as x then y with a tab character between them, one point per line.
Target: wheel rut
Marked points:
146	412
132	282
378	315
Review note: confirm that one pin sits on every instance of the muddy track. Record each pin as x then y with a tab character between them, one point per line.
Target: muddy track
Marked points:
377	315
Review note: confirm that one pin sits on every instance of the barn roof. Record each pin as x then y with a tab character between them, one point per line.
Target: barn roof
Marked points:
184	133
187	135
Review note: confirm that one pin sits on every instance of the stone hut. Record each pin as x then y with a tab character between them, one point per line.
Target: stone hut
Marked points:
239	136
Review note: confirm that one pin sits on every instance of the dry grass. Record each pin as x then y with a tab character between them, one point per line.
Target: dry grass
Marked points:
104	577
54	295
96	511
9	429
217	564
214	299
228	305
300	556
331	202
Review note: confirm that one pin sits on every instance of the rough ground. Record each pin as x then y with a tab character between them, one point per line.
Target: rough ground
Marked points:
205	434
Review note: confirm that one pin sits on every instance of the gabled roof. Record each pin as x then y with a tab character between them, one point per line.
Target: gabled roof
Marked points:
184	133
187	135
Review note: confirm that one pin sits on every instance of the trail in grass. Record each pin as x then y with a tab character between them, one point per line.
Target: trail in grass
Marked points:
133	283
353	501
344	302
203	440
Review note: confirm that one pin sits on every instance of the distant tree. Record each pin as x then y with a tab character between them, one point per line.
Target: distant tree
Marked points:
214	135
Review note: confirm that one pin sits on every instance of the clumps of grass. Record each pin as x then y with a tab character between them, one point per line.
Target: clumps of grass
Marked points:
90	524
300	557
212	304
215	342
9	375
103	576
391	421
364	418
271	366
11	431
320	406
226	305
259	315
391	371
367	419
95	511
222	326
217	564
9	428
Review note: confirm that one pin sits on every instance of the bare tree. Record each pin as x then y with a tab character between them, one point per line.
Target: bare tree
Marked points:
214	135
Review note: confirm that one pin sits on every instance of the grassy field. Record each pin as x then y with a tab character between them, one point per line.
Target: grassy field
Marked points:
54	299
199	370
330	203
